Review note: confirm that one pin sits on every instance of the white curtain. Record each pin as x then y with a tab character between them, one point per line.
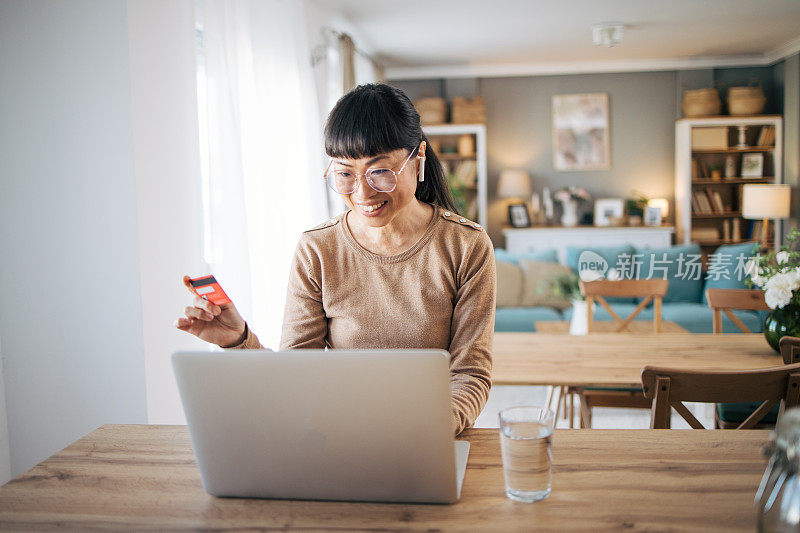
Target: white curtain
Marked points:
345	67
261	145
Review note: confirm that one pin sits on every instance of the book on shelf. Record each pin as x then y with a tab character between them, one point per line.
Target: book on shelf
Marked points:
767	136
718	205
695	205
702	202
711	201
697	197
704	234
466	173
726	230
695	169
756	230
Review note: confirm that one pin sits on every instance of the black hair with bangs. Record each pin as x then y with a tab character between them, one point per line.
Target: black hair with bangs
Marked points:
376	118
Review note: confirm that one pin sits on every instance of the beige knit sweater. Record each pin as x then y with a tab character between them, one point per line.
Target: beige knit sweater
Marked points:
438	294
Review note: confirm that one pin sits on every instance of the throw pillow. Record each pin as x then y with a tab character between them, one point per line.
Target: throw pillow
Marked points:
614	256
509	284
680	265
545	254
538	276
726	267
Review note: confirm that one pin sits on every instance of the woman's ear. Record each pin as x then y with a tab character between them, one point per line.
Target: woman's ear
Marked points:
421	160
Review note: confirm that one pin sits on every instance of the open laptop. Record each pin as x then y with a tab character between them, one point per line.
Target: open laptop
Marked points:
349	425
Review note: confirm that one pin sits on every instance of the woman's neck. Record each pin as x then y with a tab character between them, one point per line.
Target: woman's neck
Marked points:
399	235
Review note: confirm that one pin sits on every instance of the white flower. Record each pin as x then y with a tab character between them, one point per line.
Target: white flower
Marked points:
780	288
752	270
782	257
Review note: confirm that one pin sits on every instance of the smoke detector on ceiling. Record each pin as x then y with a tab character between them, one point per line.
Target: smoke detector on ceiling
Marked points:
607	33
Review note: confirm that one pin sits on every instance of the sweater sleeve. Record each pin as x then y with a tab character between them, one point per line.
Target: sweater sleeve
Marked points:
305	325
472	333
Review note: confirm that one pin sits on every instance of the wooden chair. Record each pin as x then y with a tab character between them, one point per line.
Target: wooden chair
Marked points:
790	350
668	388
726	300
650	290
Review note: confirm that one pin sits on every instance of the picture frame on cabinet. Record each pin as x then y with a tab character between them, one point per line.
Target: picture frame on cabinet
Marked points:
608	210
518	216
652	216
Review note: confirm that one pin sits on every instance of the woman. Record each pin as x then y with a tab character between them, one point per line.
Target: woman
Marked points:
399	269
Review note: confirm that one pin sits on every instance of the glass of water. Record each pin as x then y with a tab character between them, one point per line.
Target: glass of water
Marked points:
526	434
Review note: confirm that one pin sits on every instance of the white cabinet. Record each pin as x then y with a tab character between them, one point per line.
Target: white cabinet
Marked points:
472	196
520	240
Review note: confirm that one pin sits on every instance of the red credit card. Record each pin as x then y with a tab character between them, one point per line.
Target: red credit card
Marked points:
207	288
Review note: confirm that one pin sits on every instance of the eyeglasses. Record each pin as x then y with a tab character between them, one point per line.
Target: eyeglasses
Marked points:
380	179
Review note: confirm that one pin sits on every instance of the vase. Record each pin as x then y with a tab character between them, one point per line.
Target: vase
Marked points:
569	214
781	322
579	324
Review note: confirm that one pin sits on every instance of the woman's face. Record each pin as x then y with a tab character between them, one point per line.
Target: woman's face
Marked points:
374	208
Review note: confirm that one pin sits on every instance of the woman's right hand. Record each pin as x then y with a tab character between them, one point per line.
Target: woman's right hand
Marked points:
219	324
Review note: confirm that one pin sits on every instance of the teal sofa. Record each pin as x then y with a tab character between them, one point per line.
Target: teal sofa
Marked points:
684	303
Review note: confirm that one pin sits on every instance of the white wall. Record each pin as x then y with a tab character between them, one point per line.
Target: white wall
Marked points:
71	313
168	188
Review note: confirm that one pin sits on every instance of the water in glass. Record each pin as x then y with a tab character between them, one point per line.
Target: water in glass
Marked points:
526	449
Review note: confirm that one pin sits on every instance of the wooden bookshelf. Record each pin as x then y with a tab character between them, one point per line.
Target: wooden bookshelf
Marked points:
713	204
735	150
469	193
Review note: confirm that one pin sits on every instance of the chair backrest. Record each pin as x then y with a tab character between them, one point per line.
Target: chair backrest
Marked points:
651	290
724	300
790	349
669	388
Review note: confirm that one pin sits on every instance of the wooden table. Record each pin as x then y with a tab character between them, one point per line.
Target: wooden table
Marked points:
616	360
122	477
608	326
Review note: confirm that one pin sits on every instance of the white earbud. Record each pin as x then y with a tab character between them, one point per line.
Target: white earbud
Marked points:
421	168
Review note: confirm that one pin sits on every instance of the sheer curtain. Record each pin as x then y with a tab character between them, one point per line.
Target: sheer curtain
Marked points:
261	146
345	67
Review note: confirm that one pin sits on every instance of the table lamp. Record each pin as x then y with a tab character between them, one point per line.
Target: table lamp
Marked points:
514	183
763	202
662	204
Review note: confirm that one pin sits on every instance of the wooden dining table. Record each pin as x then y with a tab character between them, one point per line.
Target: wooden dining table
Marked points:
617	359
144	477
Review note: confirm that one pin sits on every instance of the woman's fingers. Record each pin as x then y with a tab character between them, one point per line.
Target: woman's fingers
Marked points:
207	306
184	323
194	312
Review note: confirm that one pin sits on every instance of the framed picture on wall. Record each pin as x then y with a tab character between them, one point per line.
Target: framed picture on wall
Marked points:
581	139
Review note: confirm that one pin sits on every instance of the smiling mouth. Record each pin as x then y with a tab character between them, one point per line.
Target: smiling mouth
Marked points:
371	208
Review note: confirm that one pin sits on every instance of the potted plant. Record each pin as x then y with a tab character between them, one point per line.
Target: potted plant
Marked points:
635	208
567	287
778	275
569	197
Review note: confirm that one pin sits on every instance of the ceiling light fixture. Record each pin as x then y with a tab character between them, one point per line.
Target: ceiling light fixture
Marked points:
607	33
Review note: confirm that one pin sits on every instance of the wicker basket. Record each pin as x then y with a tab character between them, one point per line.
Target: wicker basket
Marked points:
701	102
432	110
748	100
472	111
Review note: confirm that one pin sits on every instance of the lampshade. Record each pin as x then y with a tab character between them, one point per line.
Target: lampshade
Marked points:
766	201
514	184
662	204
